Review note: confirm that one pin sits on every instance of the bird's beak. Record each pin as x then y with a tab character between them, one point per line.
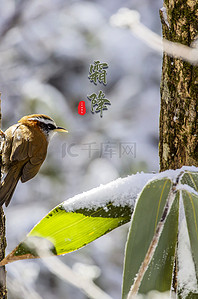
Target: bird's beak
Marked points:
60	129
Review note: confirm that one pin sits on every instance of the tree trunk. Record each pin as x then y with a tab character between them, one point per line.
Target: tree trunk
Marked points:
179	89
3	290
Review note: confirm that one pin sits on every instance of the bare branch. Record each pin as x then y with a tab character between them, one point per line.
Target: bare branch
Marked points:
131	19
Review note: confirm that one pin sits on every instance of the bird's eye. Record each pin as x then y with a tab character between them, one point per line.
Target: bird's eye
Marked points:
51	127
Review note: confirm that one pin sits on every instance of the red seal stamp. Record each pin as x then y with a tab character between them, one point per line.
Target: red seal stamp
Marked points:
81	108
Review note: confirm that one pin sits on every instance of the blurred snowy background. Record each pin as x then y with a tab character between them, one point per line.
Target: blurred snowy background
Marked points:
46	48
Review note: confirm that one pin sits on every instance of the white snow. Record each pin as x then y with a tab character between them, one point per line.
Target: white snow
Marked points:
173	174
164	13
187	188
175	118
187	281
122	192
154	295
125	17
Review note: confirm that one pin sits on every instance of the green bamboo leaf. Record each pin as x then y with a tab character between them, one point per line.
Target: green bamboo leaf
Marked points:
69	231
147	213
186	273
190	201
84	218
191	179
160	271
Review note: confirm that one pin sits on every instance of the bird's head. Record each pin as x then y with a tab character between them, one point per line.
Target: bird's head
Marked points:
43	122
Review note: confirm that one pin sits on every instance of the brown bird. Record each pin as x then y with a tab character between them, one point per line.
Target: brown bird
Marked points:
23	151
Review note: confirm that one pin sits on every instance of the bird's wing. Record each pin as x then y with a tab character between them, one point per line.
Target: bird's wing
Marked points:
29	171
32	167
25	149
20	144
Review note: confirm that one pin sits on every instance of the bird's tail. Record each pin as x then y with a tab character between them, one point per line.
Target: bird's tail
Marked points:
8	186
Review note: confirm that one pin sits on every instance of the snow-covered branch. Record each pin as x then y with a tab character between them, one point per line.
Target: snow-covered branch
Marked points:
131	19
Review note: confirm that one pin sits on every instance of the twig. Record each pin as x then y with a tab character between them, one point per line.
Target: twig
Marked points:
131	19
64	272
75	279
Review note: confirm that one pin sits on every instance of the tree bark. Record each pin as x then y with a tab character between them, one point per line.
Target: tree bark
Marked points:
3	289
179	89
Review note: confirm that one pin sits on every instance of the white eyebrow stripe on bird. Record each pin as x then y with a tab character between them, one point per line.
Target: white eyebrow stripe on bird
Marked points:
46	121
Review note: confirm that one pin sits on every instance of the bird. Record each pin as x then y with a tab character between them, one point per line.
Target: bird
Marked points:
23	150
